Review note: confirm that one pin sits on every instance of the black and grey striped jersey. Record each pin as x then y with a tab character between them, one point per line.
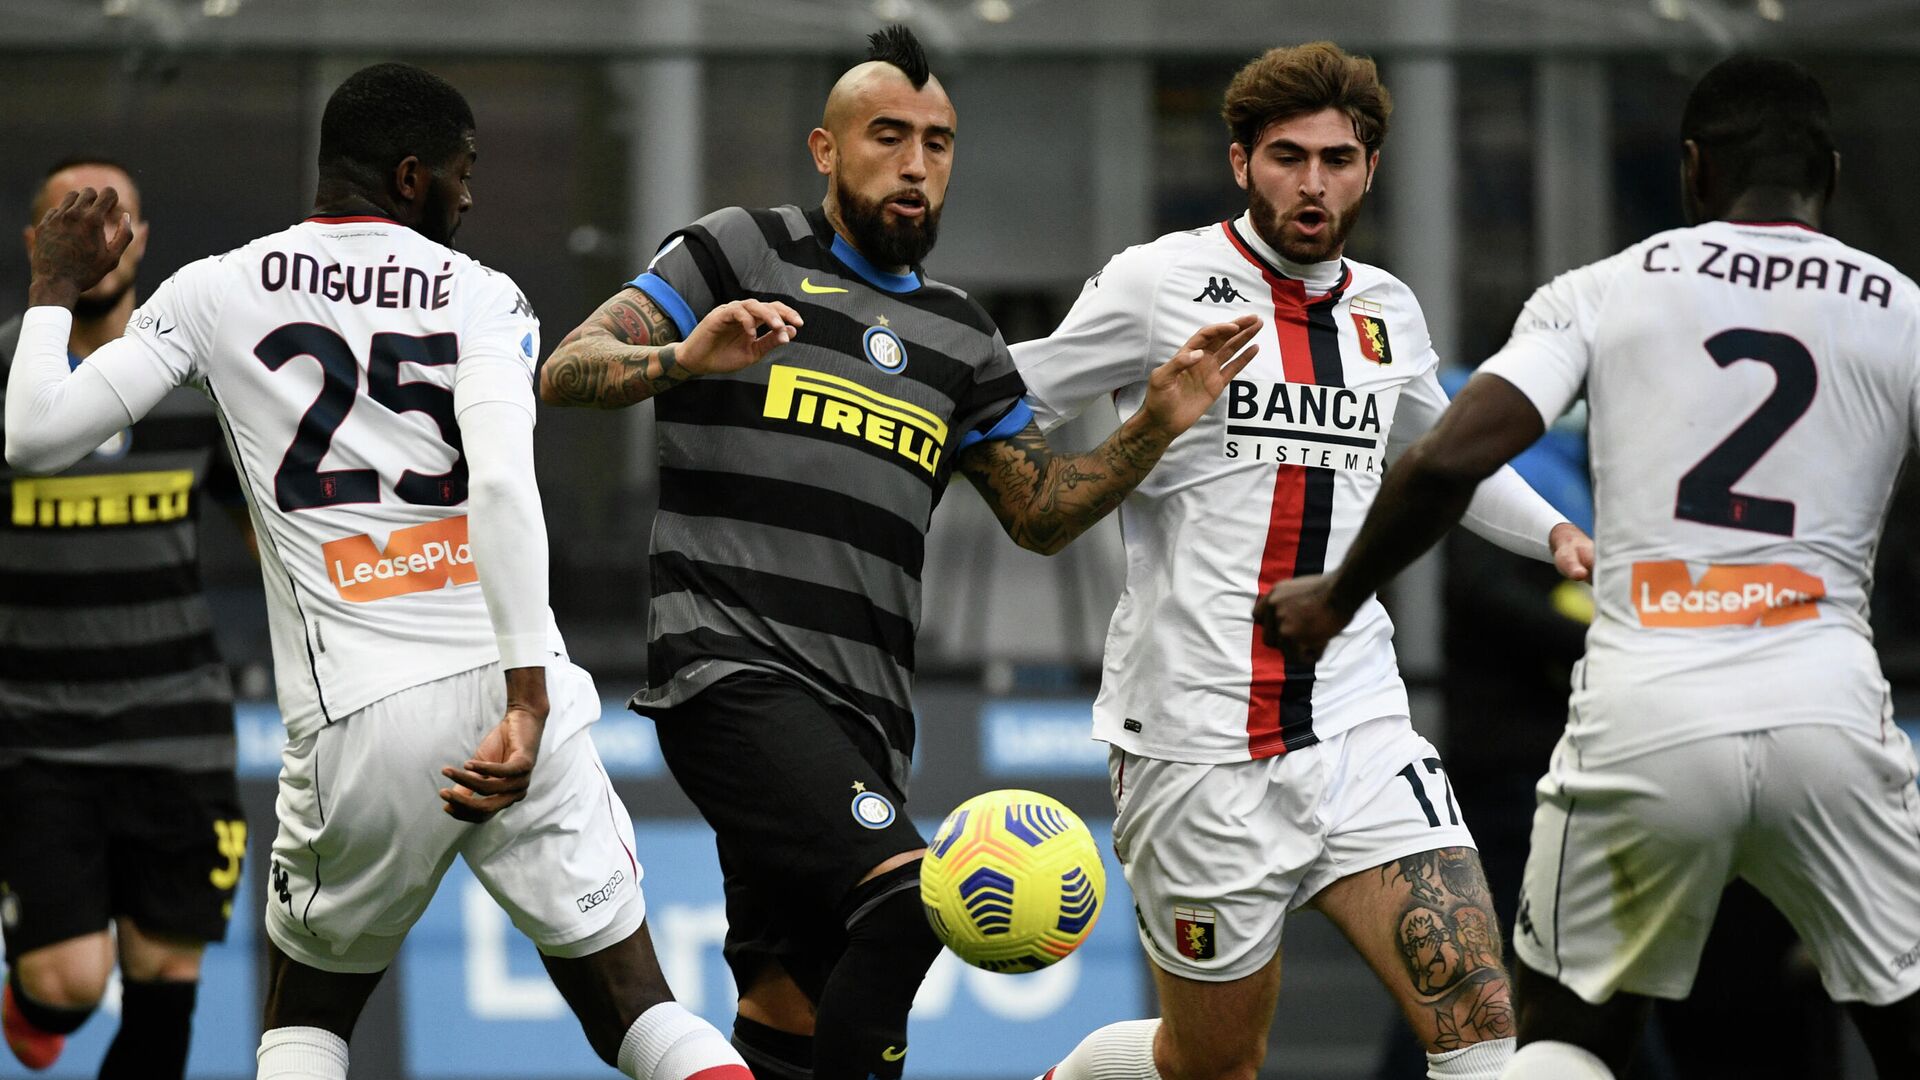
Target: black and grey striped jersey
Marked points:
107	652
796	494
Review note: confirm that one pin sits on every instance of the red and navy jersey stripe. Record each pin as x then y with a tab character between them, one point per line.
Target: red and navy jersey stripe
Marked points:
1279	691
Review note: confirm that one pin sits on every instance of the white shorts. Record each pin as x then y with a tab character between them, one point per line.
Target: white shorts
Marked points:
1217	855
1629	859
363	840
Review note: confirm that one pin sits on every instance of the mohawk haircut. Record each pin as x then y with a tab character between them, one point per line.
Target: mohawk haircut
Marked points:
386	113
896	45
1764	122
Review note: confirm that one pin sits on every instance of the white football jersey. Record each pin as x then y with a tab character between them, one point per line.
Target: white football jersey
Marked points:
331	350
1271	484
1752	394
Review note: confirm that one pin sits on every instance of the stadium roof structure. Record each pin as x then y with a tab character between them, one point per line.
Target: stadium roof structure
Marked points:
642	29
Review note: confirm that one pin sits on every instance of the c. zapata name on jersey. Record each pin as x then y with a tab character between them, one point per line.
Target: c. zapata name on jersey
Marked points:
856	413
1325	427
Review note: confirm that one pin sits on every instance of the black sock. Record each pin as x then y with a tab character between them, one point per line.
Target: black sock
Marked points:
47	1018
773	1054
860	1029
156	1023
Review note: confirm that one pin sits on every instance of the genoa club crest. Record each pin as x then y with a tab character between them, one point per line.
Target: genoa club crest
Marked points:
1373	338
1193	932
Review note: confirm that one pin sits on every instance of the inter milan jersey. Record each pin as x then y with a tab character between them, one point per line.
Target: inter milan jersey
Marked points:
795	495
332	351
1753	390
1272	483
107	653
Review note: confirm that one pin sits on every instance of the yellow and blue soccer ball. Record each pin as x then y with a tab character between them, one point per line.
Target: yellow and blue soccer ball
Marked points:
1012	881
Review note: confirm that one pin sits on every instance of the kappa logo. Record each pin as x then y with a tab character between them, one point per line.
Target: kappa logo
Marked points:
420	559
1666	595
282	885
602	894
1193	932
807	286
1220	290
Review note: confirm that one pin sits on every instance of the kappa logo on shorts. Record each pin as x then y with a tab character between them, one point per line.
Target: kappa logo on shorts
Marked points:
1193	932
872	810
602	894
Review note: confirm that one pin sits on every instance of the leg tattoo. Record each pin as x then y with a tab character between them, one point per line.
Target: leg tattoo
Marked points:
1450	944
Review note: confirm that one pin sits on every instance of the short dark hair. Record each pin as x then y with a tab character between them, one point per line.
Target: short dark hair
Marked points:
1299	81
1764	122
388	112
896	45
72	161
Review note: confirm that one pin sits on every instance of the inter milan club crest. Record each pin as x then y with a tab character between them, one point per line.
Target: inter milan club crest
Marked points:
1193	932
1373	332
885	348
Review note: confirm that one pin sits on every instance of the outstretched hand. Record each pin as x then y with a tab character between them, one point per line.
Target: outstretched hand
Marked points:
76	243
498	774
736	335
1180	391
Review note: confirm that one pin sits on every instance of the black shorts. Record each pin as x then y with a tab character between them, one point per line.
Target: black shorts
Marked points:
797	792
83	844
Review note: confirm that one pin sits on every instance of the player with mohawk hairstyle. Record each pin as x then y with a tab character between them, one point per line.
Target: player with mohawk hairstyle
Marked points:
797	483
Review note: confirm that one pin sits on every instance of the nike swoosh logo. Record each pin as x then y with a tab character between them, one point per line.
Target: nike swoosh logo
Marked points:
168	330
889	1054
807	286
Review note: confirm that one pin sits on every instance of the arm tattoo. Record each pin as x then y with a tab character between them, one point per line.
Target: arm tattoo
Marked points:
1450	944
1045	501
622	355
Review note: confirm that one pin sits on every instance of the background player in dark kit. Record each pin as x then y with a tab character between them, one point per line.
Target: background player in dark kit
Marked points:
116	713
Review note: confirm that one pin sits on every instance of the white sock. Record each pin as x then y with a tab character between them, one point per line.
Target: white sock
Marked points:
1122	1051
1481	1061
670	1043
1555	1061
302	1053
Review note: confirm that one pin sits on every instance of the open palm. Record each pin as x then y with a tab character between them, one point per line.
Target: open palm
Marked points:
1181	390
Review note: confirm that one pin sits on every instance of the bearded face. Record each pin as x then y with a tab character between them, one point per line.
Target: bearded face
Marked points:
896	229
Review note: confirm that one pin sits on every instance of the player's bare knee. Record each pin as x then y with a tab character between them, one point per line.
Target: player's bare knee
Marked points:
66	977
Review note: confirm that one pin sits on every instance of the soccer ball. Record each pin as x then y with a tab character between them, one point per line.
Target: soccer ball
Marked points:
1012	881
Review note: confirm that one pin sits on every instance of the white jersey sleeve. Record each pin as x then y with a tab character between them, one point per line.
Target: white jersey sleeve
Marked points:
1552	344
1505	510
494	404
54	418
1101	346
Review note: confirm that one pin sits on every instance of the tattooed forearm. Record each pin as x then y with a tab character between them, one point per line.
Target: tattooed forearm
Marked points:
1045	501
622	355
1450	944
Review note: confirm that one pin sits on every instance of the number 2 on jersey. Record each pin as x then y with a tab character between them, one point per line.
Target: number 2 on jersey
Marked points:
1706	492
300	484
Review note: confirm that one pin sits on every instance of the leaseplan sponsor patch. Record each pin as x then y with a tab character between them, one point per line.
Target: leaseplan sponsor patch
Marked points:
420	559
1666	594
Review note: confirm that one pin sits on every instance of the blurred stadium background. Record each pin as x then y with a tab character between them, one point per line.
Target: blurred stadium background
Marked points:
1529	136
